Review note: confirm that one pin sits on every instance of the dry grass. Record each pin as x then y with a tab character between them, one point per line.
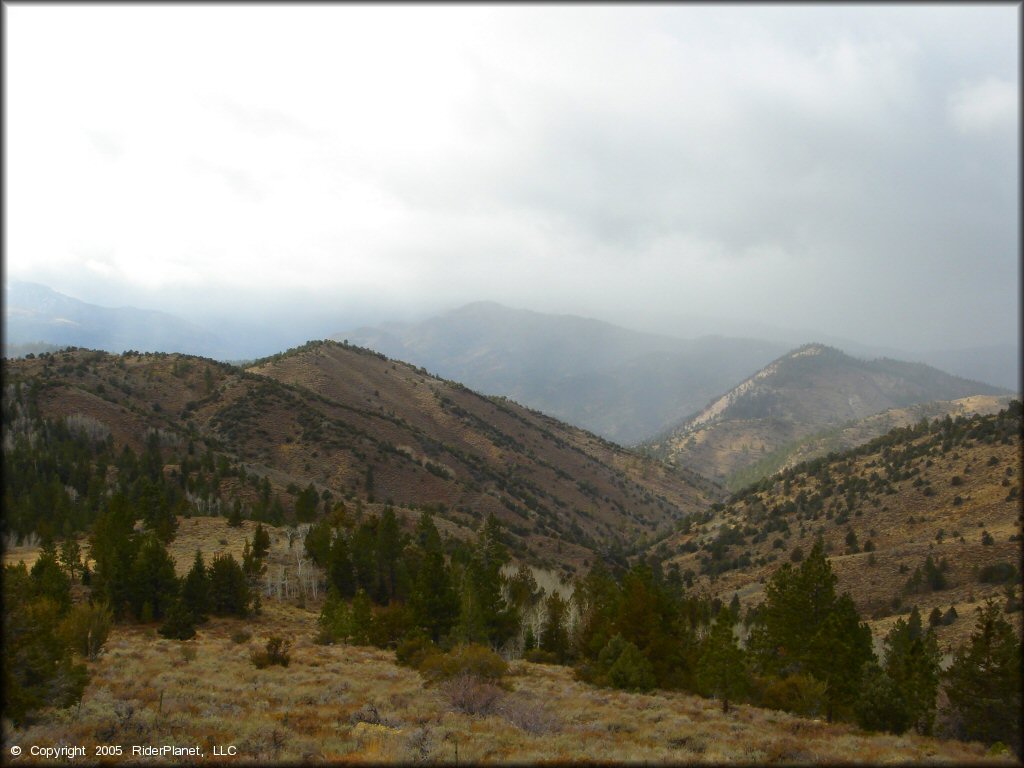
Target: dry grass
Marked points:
355	705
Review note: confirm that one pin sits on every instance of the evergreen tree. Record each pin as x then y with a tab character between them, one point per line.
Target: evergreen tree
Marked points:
597	599
363	550
361	627
389	550
260	542
721	671
49	579
71	557
318	542
229	589
434	602
554	633
179	622
912	662
983	683
113	545
38	665
195	590
426	536
153	580
485	617
235	518
339	568
802	627
881	704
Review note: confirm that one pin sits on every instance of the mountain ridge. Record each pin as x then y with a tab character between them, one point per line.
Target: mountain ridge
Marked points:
809	389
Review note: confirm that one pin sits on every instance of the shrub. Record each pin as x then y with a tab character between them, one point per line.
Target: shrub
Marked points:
528	715
276	653
240	636
540	656
180	623
997	573
626	666
413	650
471	694
799	694
86	628
475	660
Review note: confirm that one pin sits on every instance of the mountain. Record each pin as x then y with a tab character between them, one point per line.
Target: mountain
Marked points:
621	384
997	364
809	391
34	313
948	489
360	427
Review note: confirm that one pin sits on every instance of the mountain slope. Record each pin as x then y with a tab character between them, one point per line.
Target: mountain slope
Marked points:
622	384
35	313
371	430
947	489
811	389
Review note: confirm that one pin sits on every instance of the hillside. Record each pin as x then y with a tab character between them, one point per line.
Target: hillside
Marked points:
948	489
769	417
622	384
354	704
355	426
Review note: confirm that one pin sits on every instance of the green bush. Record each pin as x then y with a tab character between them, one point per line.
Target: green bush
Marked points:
799	694
881	705
179	623
620	664
414	649
997	573
86	628
473	659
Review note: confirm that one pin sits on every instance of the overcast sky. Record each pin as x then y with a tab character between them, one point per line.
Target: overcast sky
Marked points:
849	169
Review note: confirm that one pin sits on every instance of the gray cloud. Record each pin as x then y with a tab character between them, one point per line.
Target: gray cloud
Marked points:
851	169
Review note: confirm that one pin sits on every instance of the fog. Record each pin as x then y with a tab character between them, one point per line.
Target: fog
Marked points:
852	171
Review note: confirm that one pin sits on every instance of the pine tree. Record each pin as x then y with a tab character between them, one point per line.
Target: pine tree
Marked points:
49	579
554	633
983	683
721	671
38	664
195	590
229	589
260	542
434	602
339	568
153	580
317	543
912	662
179	622
389	549
235	518
802	627
361	627
113	545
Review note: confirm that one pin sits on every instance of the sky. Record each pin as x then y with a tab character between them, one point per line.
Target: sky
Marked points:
852	169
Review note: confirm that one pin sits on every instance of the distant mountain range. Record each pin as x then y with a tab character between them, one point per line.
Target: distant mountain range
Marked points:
801	395
37	317
624	385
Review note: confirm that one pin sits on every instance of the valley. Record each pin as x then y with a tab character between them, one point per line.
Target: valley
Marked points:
334	440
